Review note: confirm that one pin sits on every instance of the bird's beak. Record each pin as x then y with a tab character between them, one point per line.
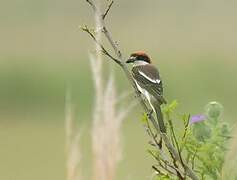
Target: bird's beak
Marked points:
131	59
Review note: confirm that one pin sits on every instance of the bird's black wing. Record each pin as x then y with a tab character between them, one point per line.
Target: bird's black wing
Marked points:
148	78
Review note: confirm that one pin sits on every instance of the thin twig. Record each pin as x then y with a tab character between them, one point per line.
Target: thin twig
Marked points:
120	62
107	10
104	51
175	138
193	158
175	168
157	170
184	137
152	135
186	127
92	4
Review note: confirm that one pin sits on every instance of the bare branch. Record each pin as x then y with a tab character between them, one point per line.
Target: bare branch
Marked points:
107	10
92	4
119	61
104	51
112	42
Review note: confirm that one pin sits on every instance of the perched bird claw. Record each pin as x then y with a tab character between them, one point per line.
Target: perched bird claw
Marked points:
150	113
160	143
147	80
138	94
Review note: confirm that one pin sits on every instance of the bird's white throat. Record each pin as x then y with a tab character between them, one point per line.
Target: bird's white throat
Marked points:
140	63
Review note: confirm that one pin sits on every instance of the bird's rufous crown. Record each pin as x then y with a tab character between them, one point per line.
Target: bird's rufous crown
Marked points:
141	55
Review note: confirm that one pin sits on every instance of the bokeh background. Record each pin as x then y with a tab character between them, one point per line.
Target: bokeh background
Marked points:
194	43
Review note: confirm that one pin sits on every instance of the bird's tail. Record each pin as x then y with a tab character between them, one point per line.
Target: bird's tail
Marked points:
159	116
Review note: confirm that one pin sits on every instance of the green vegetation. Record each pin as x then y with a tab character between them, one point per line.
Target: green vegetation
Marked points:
42	49
202	143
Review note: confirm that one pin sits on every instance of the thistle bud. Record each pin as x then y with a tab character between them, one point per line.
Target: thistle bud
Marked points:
201	131
225	129
214	110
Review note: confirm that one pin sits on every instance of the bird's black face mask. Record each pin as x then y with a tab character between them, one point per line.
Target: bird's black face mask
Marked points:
131	59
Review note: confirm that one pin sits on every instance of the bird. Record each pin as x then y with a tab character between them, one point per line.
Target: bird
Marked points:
147	79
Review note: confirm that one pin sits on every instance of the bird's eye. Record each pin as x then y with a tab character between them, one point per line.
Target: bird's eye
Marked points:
141	58
138	58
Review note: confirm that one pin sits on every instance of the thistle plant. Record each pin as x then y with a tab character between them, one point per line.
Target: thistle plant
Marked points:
201	143
193	151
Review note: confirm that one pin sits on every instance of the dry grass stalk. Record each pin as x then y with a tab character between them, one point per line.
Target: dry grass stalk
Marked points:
73	154
229	168
106	119
106	132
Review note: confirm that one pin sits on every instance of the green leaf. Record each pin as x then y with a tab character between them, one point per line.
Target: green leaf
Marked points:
144	118
169	108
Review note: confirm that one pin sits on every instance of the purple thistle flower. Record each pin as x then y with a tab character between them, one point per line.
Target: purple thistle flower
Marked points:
197	118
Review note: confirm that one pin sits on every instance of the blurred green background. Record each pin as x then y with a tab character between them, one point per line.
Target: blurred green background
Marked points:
42	49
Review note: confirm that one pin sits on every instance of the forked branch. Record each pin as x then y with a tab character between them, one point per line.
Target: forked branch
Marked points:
119	60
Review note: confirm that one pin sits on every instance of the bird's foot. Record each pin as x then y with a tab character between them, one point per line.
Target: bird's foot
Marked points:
149	113
138	94
160	143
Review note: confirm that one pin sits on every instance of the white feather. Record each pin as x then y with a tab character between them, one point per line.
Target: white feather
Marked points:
150	79
140	63
146	94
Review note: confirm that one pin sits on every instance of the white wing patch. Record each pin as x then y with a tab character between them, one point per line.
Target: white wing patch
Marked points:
150	79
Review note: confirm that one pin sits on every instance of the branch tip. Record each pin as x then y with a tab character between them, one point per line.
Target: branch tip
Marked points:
174	151
107	10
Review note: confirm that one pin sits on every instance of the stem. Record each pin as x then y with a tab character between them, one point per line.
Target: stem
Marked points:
121	63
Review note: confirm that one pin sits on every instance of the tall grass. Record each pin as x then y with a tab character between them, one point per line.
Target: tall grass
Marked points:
229	168
107	120
73	153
